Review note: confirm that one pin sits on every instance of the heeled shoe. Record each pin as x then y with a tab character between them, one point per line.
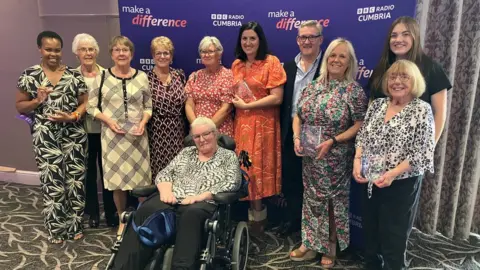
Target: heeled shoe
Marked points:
94	222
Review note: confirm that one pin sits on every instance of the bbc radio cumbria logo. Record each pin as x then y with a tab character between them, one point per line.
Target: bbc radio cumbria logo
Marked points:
146	64
227	20
374	13
145	19
287	20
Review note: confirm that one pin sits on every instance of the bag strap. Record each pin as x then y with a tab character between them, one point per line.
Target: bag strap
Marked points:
151	242
99	104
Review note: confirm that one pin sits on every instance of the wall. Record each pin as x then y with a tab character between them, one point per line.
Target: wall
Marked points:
22	20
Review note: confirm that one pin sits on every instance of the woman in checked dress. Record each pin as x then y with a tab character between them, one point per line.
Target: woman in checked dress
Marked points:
124	108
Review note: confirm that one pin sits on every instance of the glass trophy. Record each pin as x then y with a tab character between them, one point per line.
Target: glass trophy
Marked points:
243	91
311	137
373	167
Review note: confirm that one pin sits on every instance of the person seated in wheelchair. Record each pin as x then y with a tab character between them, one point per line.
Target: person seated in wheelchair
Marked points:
186	185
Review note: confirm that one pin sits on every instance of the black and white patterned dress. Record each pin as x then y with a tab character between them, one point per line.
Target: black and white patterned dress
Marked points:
60	151
126	157
191	177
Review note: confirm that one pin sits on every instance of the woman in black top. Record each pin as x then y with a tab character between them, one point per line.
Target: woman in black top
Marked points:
403	42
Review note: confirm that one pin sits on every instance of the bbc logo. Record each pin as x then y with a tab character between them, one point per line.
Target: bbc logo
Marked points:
219	16
365	10
146	61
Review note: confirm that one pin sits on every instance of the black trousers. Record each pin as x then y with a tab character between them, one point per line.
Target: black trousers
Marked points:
188	241
292	182
387	222
91	201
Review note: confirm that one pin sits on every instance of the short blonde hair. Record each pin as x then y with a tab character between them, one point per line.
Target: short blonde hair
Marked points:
312	23
351	71
162	41
84	38
200	121
409	68
121	40
210	40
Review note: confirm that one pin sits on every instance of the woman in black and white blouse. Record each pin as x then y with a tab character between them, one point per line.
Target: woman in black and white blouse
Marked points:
187	186
398	130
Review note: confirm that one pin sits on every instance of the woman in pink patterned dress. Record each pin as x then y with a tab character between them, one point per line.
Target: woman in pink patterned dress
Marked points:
166	128
209	90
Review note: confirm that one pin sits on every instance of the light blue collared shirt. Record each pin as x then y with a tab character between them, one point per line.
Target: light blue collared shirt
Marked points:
302	79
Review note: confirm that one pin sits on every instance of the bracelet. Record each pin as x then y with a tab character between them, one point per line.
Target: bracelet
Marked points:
335	142
77	116
358	157
295	137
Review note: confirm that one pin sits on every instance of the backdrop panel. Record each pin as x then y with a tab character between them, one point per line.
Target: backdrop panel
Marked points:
365	23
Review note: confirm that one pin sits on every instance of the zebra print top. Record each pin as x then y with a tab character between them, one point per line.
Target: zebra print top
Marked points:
190	176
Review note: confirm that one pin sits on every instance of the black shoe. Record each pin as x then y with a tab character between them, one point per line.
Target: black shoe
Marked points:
94	222
112	220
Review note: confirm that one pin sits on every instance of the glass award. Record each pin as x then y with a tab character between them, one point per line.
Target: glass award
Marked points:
311	138
243	91
373	167
130	127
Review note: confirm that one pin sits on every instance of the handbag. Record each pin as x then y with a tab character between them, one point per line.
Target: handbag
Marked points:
157	229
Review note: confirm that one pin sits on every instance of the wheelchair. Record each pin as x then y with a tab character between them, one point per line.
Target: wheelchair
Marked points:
226	243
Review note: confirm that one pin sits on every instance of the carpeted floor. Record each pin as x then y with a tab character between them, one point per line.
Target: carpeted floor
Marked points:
23	243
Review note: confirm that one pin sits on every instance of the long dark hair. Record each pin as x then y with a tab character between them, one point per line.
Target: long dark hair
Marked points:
415	54
262	42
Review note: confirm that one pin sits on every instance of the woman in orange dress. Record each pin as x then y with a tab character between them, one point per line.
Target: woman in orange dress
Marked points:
259	79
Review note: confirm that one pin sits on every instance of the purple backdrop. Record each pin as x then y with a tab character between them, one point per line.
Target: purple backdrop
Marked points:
365	23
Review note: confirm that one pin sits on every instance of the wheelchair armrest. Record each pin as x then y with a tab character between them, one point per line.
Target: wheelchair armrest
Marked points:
226	197
144	191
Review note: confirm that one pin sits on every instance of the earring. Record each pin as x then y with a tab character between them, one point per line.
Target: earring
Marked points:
171	62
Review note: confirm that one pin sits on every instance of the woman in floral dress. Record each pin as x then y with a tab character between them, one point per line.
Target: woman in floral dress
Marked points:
209	90
57	95
166	128
337	104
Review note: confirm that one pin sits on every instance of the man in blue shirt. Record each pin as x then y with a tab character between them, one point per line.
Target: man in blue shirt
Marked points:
300	71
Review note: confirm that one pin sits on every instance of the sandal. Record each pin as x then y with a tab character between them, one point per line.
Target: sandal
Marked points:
327	262
78	236
121	228
54	240
298	256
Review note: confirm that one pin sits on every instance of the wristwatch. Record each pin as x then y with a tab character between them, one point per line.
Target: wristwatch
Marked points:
335	142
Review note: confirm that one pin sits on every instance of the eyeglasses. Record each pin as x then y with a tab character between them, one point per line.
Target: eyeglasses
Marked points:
403	77
162	54
302	39
203	135
118	50
85	50
205	53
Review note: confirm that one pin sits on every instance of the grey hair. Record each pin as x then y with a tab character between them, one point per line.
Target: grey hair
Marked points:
312	23
200	121
210	40
83	37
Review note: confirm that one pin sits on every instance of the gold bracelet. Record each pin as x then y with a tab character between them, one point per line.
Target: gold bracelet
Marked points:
296	137
77	116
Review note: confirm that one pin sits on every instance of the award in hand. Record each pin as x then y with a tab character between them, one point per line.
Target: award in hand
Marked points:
373	167
243	91
311	138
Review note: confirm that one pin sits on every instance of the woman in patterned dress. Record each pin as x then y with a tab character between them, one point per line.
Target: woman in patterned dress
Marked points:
125	106
166	129
209	90
85	47
257	123
337	104
57	95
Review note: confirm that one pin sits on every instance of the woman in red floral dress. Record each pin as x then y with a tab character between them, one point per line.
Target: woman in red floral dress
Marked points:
209	90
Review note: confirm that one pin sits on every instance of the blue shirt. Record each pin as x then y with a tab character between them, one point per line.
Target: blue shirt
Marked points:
302	79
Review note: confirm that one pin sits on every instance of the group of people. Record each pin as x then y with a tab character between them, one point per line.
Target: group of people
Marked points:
135	123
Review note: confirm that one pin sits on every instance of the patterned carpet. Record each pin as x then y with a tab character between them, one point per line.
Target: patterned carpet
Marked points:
23	243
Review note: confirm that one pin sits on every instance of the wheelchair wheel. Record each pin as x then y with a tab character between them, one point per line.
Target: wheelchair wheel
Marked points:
240	247
167	259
